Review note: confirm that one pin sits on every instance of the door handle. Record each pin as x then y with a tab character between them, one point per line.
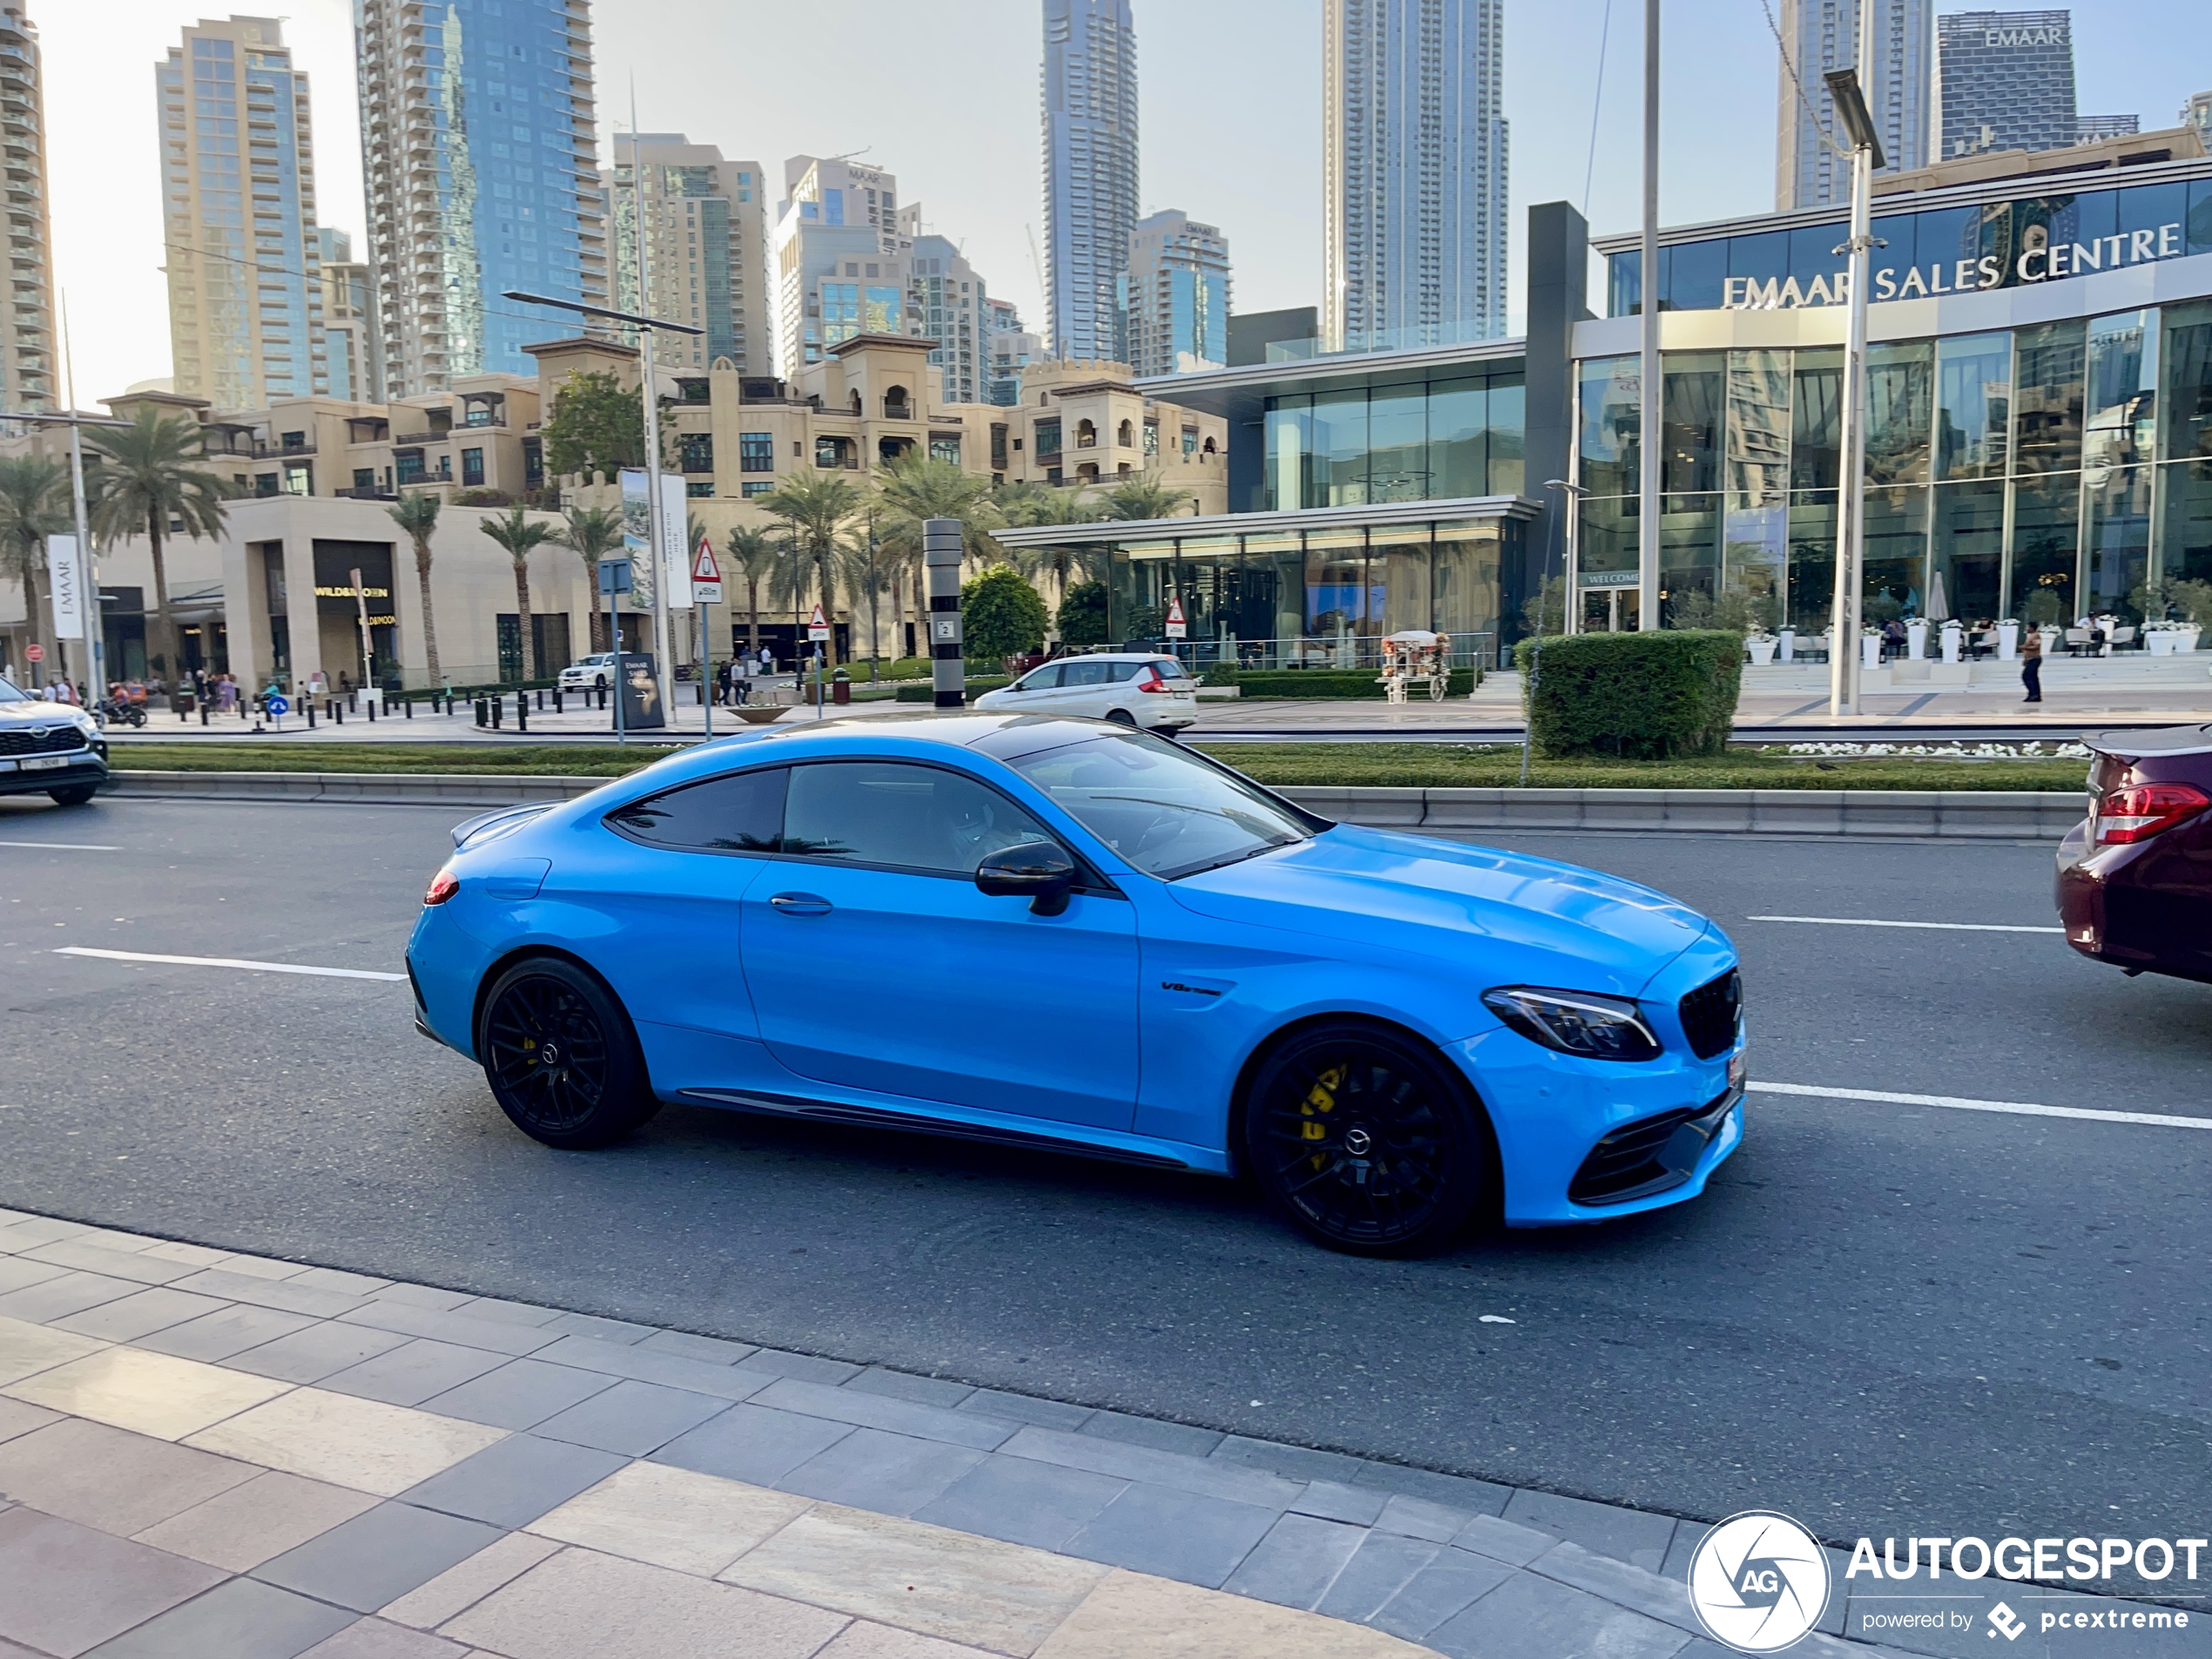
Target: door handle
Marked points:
800	904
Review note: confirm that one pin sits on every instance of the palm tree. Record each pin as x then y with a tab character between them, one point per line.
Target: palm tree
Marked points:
417	514
593	533
1144	497
29	512
518	533
1027	505
145	477
816	507
754	554
916	489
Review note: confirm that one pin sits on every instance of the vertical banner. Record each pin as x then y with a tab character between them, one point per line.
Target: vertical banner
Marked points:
66	572
675	550
637	536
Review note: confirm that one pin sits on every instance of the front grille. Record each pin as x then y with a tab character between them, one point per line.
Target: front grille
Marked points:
58	740
1711	1014
1649	1154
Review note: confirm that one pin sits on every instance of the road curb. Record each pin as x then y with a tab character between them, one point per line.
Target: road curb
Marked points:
1949	813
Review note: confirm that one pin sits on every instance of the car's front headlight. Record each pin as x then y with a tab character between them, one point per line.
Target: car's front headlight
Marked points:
1576	1023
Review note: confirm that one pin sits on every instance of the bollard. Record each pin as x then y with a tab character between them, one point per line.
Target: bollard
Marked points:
408	705
541	700
203	712
522	711
372	714
353	703
484	715
310	705
556	700
942	554
498	705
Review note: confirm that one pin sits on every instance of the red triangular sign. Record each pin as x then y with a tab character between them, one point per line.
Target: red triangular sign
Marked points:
1175	610
704	569
818	620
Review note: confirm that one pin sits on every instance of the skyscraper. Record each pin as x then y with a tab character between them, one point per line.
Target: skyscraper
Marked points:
2005	82
28	342
840	259
1175	296
706	247
349	320
1823	35
1006	349
947	304
1413	171
1089	168
479	145
237	180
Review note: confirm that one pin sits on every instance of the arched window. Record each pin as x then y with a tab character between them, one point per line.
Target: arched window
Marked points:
1209	449
1128	436
896	406
856	402
1086	436
1087	472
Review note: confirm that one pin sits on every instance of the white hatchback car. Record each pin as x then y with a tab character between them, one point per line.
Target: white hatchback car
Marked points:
587	673
1141	689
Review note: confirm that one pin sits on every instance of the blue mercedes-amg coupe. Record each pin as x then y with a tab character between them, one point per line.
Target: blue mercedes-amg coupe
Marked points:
1065	934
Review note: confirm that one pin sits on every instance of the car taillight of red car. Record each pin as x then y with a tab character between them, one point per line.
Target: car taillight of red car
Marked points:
2140	810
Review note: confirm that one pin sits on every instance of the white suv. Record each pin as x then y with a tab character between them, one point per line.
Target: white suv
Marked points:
1142	690
588	673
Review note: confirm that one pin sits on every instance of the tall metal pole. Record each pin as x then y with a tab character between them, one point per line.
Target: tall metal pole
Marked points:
88	601
648	383
1649	444
1851	517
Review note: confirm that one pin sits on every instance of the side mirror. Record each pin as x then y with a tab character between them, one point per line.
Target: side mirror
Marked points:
1041	871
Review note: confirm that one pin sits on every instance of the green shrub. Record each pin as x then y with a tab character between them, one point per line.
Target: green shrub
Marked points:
977	684
1219	674
1083	615
1644	696
1336	682
1001	615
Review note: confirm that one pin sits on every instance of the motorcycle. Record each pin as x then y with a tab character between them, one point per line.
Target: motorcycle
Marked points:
114	708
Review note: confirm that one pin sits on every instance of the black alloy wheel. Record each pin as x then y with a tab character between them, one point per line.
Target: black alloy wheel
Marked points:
560	1057
1368	1141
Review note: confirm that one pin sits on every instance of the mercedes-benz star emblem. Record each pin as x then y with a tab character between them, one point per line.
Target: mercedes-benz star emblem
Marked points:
1759	1582
548	1054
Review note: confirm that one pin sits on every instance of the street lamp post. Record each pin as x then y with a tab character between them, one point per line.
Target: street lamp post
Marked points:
1650	450
650	392
88	606
1845	89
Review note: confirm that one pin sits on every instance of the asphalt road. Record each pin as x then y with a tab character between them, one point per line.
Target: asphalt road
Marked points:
1882	1318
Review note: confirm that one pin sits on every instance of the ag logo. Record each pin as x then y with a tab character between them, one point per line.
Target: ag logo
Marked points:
1759	1582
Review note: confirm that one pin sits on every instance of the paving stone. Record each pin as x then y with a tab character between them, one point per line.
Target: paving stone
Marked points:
903	1385
893	1474
1448	1584
591	1324
713	1350
64	1587
1024	1408
1021	1501
16	1272
1419	1518
108	1478
1665	1598
380	1639
1129	1615
578	1605
332	1278
864	1640
133	1317
632	1418
218	1336
228	1283
153	1393
423	1295
27	1349
250	1523
82	1252
519	1394
1291	1462
1470	1496
20	1417
1199	1476
1329	1501
883	1411
672	1517
378	1556
56	1298
751	1443
645	1365
461	1586
259	1266
1384	1564
1505	1540
1150	1431
170	1250
1527	1615
496	1335
359	1443
491	1307
315	1352
805	1367
108	1238
1631	1535
1297	1561
240	1620
34	1230
513	1483
412	1373
1174	1534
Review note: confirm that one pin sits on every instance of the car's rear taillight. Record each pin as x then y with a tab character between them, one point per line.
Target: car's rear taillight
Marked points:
2125	816
1153	681
443	885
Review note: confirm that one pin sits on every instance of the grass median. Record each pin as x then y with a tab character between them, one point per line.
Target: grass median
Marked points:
497	759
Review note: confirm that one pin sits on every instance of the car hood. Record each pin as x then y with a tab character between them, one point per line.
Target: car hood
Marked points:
1524	920
38	711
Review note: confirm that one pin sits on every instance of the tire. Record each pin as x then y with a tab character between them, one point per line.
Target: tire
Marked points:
75	795
595	1090
1122	717
1368	1141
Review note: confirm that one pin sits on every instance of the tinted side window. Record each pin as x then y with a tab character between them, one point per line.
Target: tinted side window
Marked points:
1124	670
1170	669
1083	673
1043	680
913	818
742	813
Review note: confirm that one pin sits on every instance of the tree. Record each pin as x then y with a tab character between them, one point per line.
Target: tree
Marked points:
30	487
144	476
916	490
816	507
597	425
1083	615
1145	497
518	533
1003	615
417	514
1027	505
754	555
593	533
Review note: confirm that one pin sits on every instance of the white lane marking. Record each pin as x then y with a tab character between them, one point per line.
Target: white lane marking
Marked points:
2018	1107
223	962
1946	926
63	847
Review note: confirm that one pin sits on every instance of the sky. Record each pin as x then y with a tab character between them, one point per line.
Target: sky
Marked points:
945	97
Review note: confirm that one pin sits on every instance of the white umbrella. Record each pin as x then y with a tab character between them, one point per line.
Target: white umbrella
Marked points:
1939	601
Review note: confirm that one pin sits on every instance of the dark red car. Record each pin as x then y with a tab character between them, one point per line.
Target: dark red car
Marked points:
2135	883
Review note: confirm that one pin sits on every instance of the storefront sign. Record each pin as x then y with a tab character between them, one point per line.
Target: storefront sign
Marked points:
67	576
2041	260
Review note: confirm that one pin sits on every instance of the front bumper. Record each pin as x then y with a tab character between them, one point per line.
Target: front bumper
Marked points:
80	766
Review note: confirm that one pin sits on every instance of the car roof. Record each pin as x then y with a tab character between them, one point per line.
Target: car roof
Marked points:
990	734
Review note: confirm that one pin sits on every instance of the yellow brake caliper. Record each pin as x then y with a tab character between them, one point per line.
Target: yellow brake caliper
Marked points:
1321	1098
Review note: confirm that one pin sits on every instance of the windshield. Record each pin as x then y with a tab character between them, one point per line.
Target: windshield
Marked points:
1166	811
9	694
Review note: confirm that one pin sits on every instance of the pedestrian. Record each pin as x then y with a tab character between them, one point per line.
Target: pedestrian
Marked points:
2032	664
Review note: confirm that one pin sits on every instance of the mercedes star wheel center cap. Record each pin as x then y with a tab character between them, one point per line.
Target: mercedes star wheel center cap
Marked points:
1356	1142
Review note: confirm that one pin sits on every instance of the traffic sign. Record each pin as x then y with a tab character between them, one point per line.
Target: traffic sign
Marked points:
614	576
1177	627
37	653
817	625
706	576
277	705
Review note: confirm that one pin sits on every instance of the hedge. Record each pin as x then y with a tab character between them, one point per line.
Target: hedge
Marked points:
977	684
1645	696
1334	682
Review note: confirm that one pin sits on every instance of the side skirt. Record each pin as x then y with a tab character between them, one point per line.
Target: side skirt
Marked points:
830	1111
